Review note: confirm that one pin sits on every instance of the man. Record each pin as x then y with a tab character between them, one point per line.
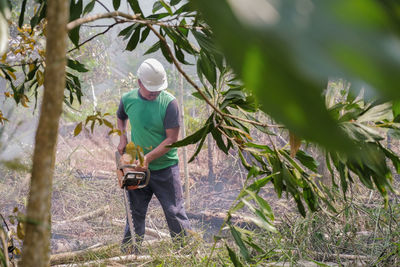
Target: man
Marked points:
154	117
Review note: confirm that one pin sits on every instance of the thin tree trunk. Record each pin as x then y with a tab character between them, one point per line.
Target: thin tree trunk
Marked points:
94	97
36	247
210	158
184	149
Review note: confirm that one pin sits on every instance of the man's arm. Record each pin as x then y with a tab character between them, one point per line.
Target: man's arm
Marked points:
161	149
123	139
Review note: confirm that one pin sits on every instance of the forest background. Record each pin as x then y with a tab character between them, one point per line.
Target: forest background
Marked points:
324	71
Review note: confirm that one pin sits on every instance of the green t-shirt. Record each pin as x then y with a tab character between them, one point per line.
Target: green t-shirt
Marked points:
147	125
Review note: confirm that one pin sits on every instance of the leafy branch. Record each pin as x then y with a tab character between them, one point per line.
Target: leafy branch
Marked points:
189	80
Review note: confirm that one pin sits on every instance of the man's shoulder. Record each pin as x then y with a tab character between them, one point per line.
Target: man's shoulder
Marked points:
130	95
168	96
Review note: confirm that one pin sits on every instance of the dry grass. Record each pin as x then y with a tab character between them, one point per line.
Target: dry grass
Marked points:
84	181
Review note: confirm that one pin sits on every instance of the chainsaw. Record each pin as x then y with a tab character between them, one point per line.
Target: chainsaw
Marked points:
131	180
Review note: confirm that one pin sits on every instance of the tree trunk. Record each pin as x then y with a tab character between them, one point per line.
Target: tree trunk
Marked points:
36	245
210	158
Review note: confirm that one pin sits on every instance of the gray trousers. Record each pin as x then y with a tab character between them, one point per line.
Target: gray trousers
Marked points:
166	185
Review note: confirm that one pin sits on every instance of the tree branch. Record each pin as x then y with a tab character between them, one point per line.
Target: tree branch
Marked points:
130	18
94	36
80	21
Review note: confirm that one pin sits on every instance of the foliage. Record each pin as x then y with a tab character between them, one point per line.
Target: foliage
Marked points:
100	119
286	54
358	232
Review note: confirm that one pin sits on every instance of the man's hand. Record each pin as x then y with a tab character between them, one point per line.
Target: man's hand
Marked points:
123	141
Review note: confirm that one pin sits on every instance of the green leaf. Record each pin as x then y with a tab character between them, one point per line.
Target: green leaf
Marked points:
310	199
135	6
243	160
195	137
165	52
265	207
75	13
184	8
180	56
217	135
256	186
74	35
180	40
199	146
153	48
361	133
116	4
157	6
204	41
134	40
239	242
207	68
396	111
145	33
307	160
89	7
278	178
76	65
39	15
32	73
233	257
377	113
21	16
174	2
261	221
127	31
166	6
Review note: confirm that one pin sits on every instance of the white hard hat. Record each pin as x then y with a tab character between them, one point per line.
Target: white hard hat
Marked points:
152	75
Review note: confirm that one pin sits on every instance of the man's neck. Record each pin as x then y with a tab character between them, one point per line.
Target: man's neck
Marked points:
140	94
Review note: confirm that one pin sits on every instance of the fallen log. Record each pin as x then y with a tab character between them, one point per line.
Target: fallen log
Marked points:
111	250
328	256
84	217
118	259
82	255
149	231
156	234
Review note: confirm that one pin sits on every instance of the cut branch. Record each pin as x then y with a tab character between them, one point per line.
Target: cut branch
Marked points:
84	217
114	260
